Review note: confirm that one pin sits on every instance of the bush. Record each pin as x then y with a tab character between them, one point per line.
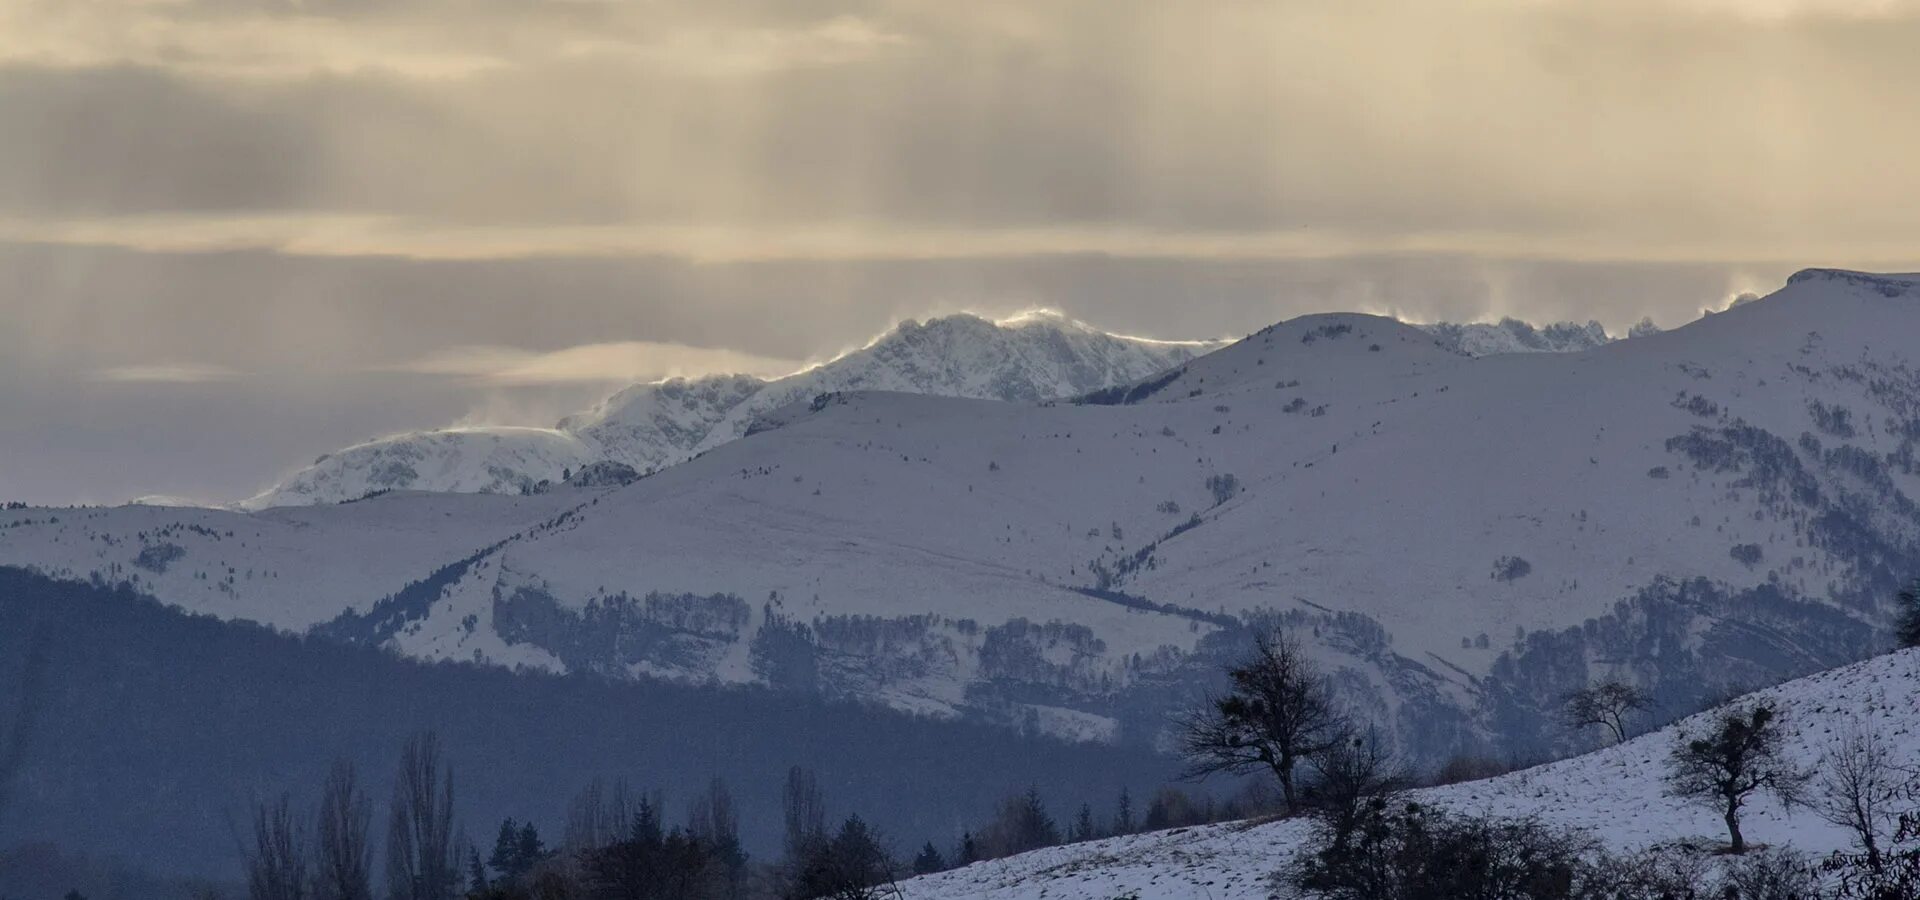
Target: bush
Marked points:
1414	852
1466	767
1511	568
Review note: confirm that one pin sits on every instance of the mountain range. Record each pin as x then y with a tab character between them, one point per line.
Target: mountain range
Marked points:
1036	355
1463	538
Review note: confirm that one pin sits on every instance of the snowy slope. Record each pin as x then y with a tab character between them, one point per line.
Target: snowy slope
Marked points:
290	567
1467	538
492	460
1032	356
1616	794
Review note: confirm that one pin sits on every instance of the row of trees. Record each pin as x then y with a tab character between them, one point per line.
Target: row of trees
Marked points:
617	844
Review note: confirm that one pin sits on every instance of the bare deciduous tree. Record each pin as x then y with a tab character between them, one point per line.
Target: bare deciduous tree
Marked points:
1610	705
420	853
1862	788
1721	769
599	817
1279	711
277	859
805	811
1350	777
343	859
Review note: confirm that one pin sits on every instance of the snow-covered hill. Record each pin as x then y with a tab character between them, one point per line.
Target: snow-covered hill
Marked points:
1033	356
1616	794
1728	503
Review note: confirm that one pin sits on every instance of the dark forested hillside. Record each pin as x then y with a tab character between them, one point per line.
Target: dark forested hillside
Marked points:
152	729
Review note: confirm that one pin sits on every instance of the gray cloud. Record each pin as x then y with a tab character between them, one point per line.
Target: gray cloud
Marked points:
315	193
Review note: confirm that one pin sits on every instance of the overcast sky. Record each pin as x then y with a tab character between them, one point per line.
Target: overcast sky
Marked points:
235	234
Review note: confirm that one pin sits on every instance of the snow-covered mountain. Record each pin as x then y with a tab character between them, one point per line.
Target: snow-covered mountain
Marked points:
1036	355
1616	794
1727	503
1033	356
489	460
1514	336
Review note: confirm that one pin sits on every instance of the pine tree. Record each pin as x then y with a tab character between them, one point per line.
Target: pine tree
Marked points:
1083	824
476	873
929	861
505	858
1906	625
969	851
528	849
1123	815
646	823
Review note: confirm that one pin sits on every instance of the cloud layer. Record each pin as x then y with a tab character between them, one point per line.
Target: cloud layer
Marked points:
1704	129
279	226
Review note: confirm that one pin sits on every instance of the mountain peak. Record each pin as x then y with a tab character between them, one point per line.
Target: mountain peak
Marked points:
1031	356
1888	285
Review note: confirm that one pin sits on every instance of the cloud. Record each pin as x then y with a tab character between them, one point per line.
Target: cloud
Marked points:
620	362
739	129
751	51
387	236
167	373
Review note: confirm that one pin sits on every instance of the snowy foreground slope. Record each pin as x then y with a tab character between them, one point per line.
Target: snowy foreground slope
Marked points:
1464	539
1616	794
1033	356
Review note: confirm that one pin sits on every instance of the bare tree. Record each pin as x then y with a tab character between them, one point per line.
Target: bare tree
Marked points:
1351	776
1858	786
599	817
1610	705
1742	755
715	823
1279	711
420	853
805	811
277	859
343	860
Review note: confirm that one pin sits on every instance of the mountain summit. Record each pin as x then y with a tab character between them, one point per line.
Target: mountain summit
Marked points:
1033	356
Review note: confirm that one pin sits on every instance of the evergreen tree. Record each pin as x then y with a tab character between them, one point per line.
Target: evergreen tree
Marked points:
506	851
529	850
969	851
1123	814
1906	625
1023	824
476	873
1083	824
929	861
646	823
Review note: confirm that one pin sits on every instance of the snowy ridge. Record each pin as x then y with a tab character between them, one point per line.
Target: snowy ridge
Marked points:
1511	335
1616	794
1037	355
488	460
